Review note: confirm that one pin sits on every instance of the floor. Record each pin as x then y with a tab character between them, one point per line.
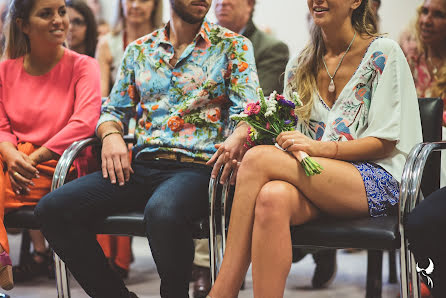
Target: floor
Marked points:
143	280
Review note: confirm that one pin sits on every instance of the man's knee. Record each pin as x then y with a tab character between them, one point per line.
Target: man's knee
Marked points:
47	208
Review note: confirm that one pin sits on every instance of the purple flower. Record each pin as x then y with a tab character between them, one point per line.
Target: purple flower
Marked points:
287	103
287	122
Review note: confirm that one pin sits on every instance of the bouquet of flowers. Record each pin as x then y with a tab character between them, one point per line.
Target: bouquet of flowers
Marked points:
270	116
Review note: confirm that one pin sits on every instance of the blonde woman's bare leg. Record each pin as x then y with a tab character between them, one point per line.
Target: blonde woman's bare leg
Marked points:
277	204
339	191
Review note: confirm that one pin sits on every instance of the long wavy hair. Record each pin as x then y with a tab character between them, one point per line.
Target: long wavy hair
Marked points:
309	60
439	87
156	17
16	42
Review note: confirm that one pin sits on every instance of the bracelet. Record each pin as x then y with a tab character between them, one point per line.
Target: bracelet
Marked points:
336	153
110	133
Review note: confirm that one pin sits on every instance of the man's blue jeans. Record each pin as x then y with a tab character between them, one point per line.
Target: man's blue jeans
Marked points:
173	195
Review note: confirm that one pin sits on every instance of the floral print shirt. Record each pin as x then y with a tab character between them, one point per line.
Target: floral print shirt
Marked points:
379	101
183	108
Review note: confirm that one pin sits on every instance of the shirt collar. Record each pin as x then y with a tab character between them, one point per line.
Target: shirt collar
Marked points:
203	33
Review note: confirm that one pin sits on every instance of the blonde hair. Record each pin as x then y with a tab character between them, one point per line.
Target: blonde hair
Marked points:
309	60
439	87
156	18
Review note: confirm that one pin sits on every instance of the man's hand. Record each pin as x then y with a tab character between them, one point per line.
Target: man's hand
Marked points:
115	159
229	154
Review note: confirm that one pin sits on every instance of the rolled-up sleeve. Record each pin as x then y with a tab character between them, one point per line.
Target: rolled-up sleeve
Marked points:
123	95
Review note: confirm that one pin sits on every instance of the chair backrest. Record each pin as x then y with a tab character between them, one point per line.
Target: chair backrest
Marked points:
431	113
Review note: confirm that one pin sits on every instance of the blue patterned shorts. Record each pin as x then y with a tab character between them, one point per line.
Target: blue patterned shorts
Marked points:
383	191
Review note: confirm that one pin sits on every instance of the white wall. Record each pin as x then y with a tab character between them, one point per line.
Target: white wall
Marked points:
287	18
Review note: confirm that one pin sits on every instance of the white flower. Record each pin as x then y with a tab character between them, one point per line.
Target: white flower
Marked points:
272	96
271	107
241	115
297	100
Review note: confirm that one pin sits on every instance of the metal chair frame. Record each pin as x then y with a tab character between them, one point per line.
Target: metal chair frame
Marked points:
410	195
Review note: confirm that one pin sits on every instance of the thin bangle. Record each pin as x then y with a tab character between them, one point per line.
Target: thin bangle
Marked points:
337	148
110	133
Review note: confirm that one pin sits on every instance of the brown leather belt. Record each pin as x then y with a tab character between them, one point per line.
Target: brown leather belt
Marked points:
170	156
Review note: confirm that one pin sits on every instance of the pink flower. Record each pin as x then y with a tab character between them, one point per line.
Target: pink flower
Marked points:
268	126
279	97
252	109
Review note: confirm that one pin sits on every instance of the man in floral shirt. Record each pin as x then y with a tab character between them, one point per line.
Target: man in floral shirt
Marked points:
182	82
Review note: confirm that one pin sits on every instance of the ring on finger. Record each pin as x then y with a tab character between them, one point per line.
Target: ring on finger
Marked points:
15	174
292	142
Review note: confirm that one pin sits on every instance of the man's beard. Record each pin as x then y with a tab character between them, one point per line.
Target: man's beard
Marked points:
181	10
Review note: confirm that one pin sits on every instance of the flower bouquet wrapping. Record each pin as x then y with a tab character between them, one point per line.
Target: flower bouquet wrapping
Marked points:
267	118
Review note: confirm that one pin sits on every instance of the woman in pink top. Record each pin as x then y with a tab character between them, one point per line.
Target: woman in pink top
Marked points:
49	98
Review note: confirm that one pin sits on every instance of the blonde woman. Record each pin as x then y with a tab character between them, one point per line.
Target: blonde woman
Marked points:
359	121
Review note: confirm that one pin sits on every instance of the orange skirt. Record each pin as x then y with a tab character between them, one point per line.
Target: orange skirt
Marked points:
9	200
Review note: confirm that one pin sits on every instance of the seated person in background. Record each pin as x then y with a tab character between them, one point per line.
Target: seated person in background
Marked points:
408	42
271	56
349	81
424	229
134	20
184	81
103	26
83	34
49	98
429	65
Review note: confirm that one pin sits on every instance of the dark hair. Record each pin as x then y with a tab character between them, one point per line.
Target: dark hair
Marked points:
16	42
91	35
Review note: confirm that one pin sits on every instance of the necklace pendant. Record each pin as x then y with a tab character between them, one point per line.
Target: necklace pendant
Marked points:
331	87
434	71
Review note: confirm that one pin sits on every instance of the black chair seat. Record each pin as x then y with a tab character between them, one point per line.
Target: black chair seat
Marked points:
118	224
366	233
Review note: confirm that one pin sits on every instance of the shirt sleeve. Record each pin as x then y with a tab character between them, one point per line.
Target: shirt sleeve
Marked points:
86	108
6	134
123	97
243	78
393	113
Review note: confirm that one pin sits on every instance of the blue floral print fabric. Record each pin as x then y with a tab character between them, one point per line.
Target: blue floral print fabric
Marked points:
382	190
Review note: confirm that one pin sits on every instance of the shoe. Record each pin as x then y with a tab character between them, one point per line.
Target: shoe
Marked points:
202	285
32	269
6	281
326	268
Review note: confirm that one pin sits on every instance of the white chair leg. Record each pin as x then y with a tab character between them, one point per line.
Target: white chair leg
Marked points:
63	285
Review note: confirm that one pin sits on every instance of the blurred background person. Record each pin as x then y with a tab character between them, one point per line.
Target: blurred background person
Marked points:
60	91
429	65
103	26
408	41
135	19
83	35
